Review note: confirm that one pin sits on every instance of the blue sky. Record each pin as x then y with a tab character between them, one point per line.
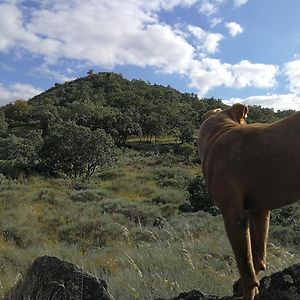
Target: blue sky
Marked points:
237	50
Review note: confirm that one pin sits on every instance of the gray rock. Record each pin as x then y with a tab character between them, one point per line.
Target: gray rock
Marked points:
50	278
197	295
283	285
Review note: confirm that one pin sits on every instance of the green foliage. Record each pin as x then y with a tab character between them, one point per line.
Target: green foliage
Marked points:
188	151
143	248
19	154
77	151
3	124
167	196
198	197
89	195
19	111
288	216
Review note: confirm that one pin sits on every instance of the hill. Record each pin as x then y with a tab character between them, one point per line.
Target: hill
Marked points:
72	188
105	107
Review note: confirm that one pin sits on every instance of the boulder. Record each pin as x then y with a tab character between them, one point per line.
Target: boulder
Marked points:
197	295
52	278
282	285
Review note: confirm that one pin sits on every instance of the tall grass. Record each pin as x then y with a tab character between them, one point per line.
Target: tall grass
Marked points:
108	226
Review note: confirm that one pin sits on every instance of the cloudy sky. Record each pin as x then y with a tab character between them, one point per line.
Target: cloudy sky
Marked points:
236	50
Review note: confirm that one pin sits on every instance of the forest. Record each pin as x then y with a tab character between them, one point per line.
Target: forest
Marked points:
76	127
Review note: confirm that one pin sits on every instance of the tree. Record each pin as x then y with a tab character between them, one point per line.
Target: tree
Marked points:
90	72
20	154
76	150
3	124
153	125
17	111
198	197
47	115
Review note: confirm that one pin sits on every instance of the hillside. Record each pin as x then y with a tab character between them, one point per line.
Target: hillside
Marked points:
72	188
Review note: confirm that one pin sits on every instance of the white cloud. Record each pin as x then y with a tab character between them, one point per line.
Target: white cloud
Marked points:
292	71
46	72
17	91
210	7
215	21
257	75
275	101
116	32
210	73
208	42
238	3
59	31
234	28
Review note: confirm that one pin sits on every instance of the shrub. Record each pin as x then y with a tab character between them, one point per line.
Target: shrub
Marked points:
165	196
137	212
199	198
110	174
4	180
288	216
77	151
88	195
171	177
87	232
188	151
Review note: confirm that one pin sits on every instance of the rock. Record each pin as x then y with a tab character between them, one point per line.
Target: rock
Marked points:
52	278
197	295
283	285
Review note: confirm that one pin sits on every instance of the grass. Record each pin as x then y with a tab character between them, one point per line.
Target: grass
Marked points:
107	226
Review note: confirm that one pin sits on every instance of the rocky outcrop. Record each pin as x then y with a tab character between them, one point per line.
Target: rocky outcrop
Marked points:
283	285
197	295
52	278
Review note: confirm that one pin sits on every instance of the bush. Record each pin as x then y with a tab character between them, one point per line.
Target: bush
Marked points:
91	232
199	198
288	216
137	212
188	151
4	180
88	195
171	177
77	151
165	196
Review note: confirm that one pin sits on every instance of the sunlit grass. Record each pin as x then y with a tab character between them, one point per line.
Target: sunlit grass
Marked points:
107	226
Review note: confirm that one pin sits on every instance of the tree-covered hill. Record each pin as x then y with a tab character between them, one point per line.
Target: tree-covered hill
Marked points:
60	129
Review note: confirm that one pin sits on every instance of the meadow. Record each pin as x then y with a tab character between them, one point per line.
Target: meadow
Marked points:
124	226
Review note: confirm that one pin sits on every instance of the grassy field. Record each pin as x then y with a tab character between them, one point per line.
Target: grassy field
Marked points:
109	226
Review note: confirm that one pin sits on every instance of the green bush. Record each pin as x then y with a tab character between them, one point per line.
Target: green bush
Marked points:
88	195
171	177
188	151
288	216
136	212
165	196
4	180
87	232
198	197
285	236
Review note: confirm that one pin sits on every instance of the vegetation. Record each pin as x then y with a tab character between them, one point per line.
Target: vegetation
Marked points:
103	172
